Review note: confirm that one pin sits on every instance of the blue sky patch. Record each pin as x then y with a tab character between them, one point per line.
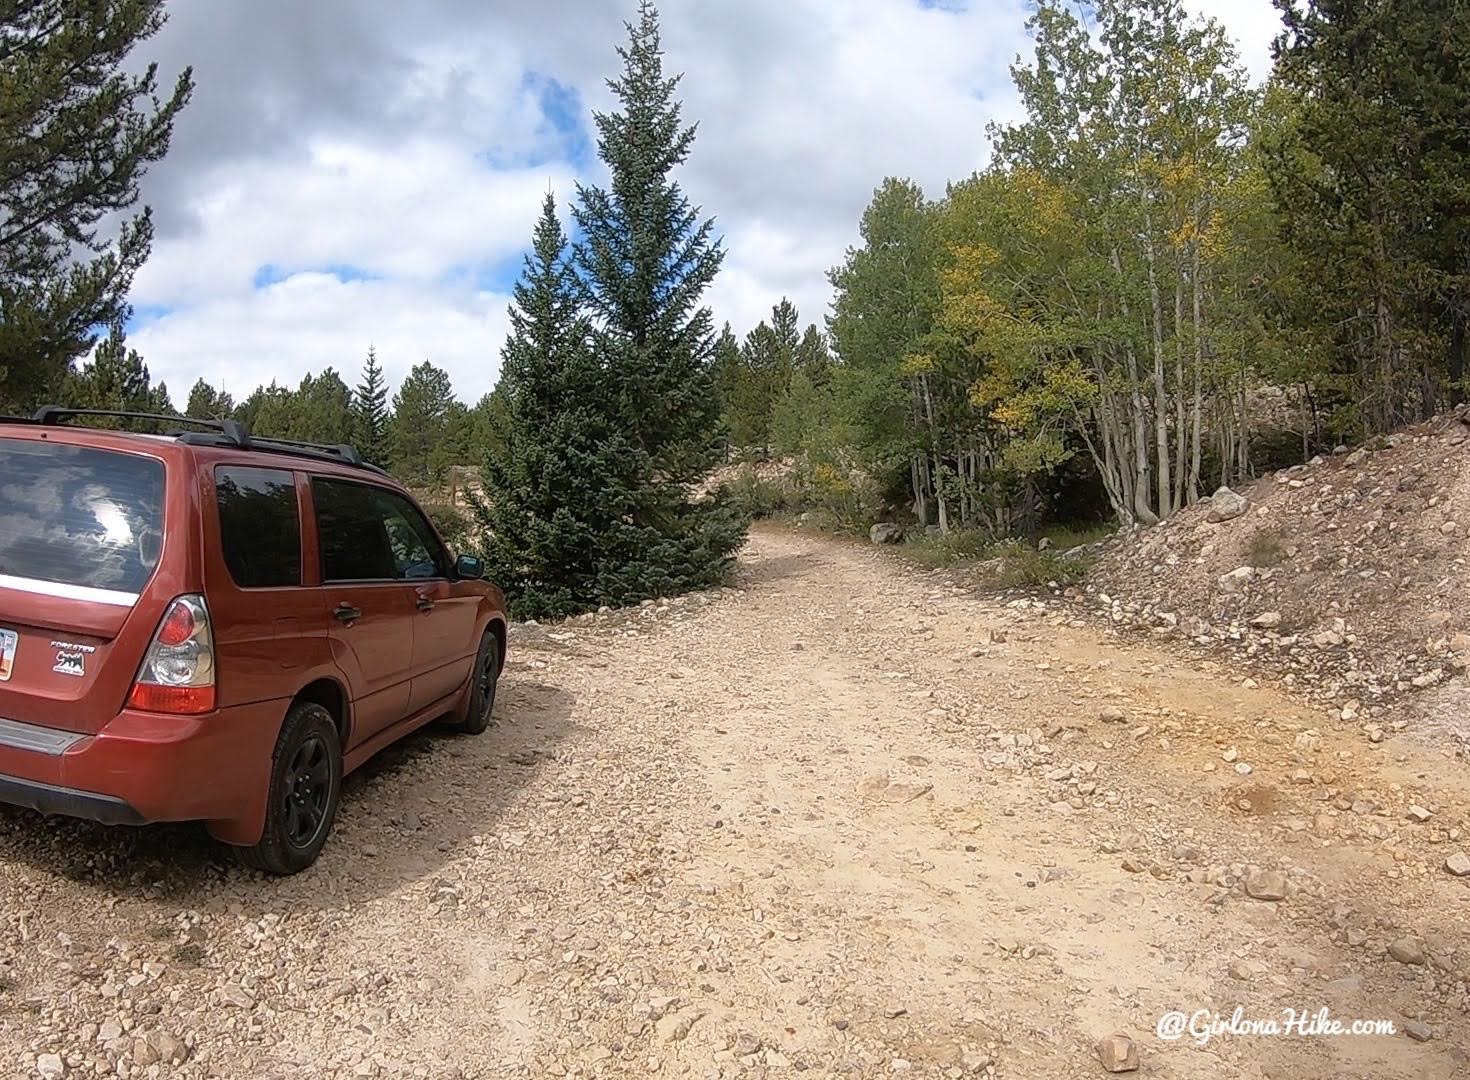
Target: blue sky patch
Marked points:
565	128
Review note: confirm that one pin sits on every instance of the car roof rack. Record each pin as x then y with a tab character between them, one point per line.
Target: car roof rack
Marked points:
225	433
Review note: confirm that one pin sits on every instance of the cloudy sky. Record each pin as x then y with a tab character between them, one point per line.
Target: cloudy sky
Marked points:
356	172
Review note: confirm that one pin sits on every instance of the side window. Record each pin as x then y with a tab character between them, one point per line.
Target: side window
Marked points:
416	550
259	525
354	538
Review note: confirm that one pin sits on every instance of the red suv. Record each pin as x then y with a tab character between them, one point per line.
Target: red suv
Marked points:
203	625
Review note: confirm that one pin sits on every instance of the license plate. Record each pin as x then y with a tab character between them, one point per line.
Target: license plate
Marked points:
8	641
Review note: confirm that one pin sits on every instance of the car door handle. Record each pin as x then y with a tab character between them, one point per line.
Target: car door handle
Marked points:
425	604
346	613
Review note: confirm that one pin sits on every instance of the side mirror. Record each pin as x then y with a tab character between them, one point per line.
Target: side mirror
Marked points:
469	568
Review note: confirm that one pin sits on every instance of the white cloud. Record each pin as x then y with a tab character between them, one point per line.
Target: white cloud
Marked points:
414	212
312	321
399	147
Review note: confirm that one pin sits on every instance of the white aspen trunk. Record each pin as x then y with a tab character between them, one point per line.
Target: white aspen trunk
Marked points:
1161	401
1181	422
916	481
937	461
1192	489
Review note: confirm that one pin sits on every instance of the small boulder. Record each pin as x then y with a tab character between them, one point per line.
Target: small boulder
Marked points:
1226	505
1458	864
1236	579
886	532
1418	1030
1267	620
1118	1053
1408	950
1266	885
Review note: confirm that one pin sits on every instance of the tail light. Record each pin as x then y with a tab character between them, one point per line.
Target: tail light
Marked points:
177	675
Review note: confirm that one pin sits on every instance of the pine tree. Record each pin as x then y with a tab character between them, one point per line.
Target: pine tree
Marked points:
79	126
117	380
421	412
370	412
555	458
644	262
207	403
321	410
1371	178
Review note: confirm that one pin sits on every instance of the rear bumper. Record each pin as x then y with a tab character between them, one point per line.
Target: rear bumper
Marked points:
51	799
146	767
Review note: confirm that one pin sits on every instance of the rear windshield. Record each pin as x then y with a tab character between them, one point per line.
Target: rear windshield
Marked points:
78	516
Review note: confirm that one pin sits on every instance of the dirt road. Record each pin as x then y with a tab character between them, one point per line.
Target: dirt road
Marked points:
845	820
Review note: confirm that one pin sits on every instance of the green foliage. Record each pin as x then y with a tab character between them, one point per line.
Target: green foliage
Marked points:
1369	170
79	126
423	410
949	549
454	524
116	380
1019	565
825	496
319	410
755	380
613	412
370	414
207	403
1007	563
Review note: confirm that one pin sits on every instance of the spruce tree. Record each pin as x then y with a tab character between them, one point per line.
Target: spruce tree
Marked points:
643	264
370	412
556	476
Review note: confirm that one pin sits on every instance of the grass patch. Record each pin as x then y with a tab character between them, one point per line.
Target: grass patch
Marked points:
1066	537
1008	563
959	546
1019	565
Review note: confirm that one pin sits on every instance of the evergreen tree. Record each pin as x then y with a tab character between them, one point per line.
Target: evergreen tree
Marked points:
207	403
554	455
370	412
1371	177
321	410
421	414
813	358
268	412
78	129
644	262
117	380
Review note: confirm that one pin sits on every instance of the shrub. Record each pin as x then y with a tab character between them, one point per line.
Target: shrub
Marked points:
1021	565
1265	548
452	522
959	546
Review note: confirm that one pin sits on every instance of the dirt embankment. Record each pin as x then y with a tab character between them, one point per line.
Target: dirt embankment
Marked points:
1346	578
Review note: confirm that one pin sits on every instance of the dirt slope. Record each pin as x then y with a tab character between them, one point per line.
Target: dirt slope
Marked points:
1346	577
843	820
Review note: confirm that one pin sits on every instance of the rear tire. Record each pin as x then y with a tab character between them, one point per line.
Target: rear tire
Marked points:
305	786
484	677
